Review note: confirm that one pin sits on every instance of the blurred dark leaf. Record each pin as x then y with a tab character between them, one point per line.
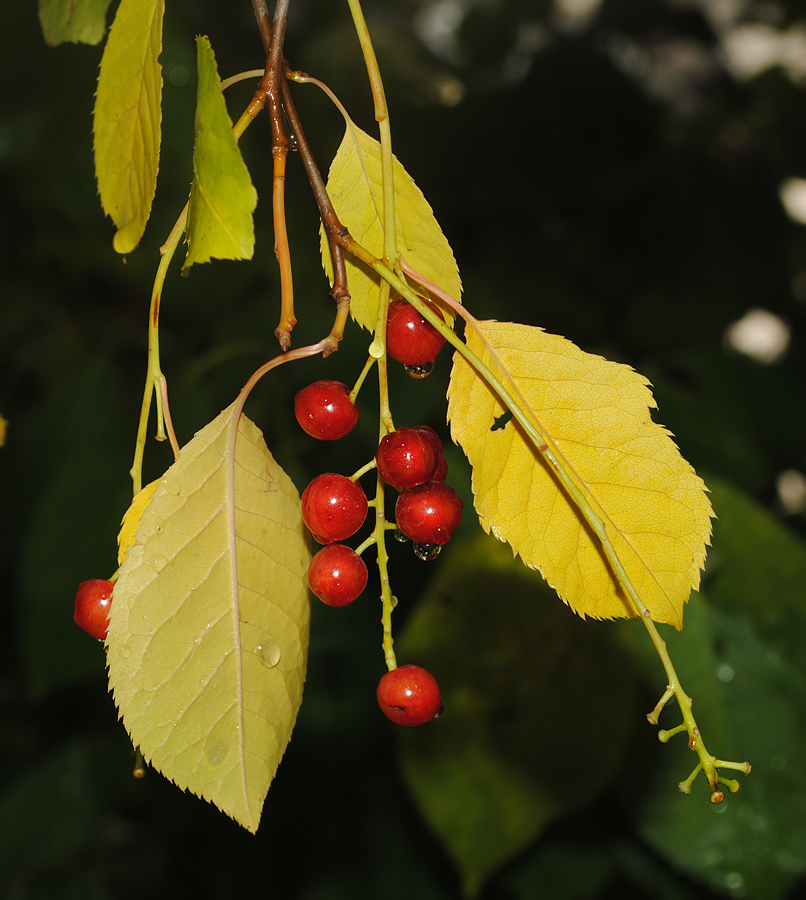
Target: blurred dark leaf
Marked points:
532	728
53	800
743	653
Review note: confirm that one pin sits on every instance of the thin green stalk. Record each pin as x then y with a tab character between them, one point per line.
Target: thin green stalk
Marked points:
154	376
384	129
155	381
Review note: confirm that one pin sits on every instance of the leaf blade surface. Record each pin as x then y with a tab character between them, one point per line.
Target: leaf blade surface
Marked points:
78	21
222	197
355	186
597	415
127	119
208	631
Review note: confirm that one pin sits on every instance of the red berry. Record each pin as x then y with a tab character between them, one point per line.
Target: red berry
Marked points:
409	696
93	600
324	410
337	575
431	435
441	471
411	339
428	513
406	458
333	507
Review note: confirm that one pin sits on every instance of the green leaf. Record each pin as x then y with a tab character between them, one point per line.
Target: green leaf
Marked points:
532	728
758	563
222	198
79	21
750	690
128	117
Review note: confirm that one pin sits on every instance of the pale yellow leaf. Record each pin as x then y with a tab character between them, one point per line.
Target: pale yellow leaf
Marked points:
208	630
356	188
131	519
127	118
596	413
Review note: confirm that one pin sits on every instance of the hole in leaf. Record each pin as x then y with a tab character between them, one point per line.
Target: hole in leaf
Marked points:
501	421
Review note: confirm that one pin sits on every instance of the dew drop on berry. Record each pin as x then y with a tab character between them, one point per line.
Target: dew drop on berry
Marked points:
422	371
268	652
399	536
425	552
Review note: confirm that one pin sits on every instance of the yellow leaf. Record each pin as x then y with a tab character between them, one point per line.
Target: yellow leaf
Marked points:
596	413
131	520
222	198
127	118
355	187
208	631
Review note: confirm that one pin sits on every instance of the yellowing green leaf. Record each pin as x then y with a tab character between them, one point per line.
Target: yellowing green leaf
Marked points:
596	413
131	520
80	21
127	118
222	198
355	187
208	631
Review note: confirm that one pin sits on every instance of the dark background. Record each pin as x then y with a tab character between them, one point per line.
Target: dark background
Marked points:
613	179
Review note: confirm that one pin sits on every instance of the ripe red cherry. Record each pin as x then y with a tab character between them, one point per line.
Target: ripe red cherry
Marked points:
333	507
406	458
409	696
411	339
93	599
441	471
337	575
324	411
431	435
428	513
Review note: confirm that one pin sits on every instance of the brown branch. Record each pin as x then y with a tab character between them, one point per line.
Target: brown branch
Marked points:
263	23
334	229
271	86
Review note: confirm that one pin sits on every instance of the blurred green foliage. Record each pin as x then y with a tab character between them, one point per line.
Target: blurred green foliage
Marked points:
616	183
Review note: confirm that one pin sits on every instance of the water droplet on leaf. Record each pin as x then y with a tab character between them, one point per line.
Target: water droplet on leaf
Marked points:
268	652
216	751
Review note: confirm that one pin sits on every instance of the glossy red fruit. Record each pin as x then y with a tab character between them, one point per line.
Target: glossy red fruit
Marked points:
441	471
410	339
337	575
409	696
93	600
431	435
324	411
333	507
406	458
428	513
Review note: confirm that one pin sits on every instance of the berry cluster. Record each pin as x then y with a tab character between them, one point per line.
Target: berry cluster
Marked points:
427	510
334	506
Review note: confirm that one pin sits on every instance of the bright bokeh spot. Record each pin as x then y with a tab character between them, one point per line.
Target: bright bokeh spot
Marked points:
791	486
793	196
761	335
